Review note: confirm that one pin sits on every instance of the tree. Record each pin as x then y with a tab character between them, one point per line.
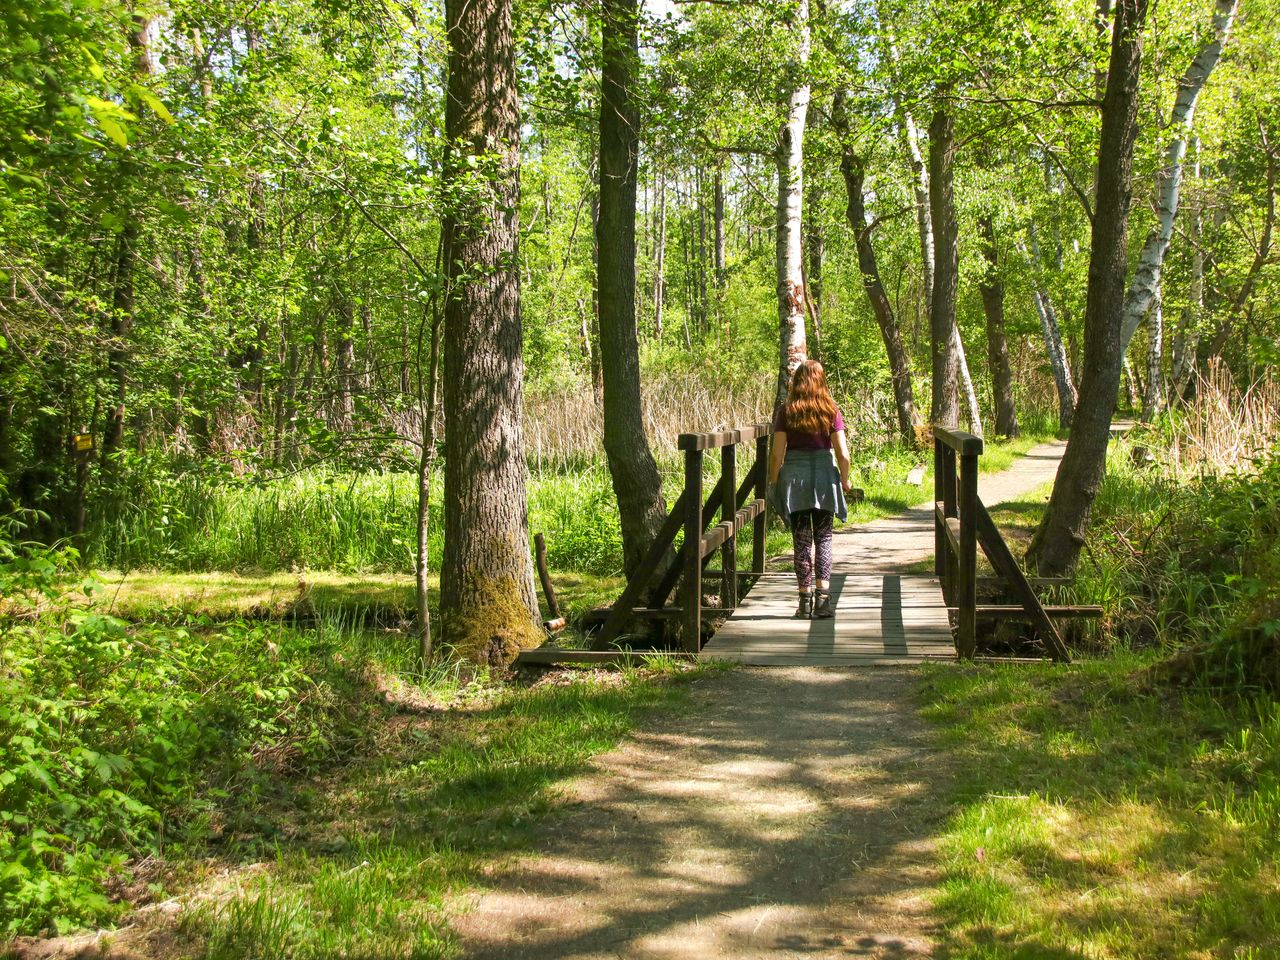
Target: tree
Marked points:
636	482
1146	281
853	170
992	289
944	409
488	607
789	158
1061	533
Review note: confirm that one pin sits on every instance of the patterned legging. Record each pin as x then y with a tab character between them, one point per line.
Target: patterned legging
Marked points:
811	534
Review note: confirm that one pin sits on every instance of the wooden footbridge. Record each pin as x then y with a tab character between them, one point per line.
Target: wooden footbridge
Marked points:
884	615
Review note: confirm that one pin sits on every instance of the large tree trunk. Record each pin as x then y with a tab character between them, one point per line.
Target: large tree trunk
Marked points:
636	481
1146	281
1057	542
944	409
853	169
488	608
992	289
792	347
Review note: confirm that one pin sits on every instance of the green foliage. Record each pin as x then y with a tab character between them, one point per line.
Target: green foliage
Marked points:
116	743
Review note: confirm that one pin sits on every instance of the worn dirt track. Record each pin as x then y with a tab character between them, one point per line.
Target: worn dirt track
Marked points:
788	814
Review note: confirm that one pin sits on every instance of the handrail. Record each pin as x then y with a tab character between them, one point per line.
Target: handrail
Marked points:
693	515
961	523
965	444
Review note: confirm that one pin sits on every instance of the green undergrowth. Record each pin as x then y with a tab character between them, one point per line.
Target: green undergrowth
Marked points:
301	790
1101	816
1129	805
120	744
372	863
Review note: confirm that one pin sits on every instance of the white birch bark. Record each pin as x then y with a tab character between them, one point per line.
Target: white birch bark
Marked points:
966	383
924	222
1062	380
1153	400
1146	281
793	348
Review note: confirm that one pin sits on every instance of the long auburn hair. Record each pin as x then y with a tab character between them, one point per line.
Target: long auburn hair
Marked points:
809	407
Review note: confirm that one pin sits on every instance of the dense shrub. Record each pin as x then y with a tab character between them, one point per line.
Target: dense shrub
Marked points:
119	743
1197	561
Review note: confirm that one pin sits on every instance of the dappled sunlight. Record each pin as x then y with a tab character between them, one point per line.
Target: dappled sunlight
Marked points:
793	815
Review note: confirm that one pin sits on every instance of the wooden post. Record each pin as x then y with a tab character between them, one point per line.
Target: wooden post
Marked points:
691	603
554	621
939	534
762	522
728	512
967	585
949	508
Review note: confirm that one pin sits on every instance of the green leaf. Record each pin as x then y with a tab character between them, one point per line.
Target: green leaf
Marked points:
155	104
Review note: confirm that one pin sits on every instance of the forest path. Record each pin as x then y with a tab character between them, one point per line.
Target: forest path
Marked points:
789	813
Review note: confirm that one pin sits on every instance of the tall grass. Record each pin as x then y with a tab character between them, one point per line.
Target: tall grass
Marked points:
325	520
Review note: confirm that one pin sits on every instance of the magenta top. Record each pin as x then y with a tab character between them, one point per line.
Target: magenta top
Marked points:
806	441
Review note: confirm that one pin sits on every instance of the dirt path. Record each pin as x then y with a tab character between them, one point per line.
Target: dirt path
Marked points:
788	814
739	832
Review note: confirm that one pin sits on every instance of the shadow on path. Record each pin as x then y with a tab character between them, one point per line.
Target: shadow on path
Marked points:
788	819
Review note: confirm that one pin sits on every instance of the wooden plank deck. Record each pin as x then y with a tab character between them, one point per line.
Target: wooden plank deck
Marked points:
881	618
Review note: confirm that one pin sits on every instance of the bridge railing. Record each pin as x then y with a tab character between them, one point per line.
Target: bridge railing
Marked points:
955	540
737	503
962	524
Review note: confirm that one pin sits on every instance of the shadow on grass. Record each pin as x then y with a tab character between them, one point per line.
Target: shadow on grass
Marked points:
1096	816
364	861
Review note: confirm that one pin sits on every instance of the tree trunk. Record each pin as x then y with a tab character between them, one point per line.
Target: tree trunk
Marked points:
1059	363
792	347
123	293
1146	281
815	249
966	383
718	213
1057	542
924	218
944	409
636	481
853	169
1153	398
1183	361
488	608
659	279
992	289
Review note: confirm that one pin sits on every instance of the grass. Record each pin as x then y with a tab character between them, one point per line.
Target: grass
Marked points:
371	863
1101	817
362	523
1127	806
380	597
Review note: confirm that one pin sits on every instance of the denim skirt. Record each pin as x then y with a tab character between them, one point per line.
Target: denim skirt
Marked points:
808	480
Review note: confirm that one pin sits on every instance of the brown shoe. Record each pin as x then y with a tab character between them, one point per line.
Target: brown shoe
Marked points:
822	607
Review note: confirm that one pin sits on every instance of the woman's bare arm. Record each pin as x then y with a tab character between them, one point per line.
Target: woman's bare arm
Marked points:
777	454
841	446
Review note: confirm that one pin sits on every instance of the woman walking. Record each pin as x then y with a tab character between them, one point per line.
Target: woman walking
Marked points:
809	483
